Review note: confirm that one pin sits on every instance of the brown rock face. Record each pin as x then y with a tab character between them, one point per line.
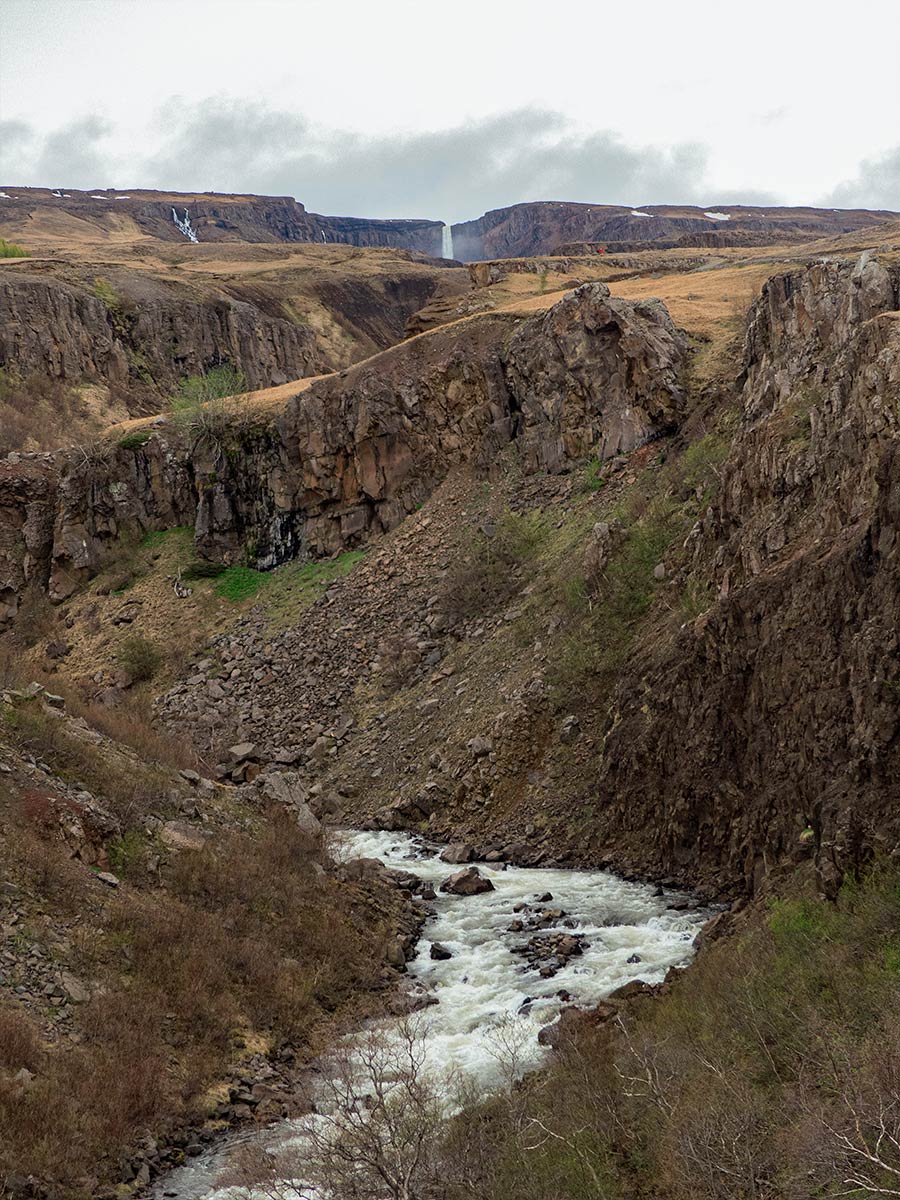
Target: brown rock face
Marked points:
553	227
355	453
779	708
62	330
216	217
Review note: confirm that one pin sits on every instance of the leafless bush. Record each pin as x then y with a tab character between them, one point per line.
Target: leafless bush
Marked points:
376	1133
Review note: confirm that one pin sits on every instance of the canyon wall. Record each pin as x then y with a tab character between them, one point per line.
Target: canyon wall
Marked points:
354	453
218	218
156	337
549	227
778	709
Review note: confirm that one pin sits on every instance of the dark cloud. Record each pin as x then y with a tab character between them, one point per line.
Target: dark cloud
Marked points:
71	156
74	156
16	141
528	154
454	174
877	184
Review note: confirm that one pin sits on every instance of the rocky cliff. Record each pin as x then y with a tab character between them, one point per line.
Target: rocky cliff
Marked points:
134	331
778	709
354	453
212	217
552	227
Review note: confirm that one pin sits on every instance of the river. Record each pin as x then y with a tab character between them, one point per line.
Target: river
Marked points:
628	932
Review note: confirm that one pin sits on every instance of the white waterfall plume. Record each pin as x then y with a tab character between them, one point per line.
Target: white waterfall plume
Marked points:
446	242
184	224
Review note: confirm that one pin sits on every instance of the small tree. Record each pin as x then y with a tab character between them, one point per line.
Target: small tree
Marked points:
375	1134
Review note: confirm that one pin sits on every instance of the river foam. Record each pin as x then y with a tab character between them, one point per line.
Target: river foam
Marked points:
490	1003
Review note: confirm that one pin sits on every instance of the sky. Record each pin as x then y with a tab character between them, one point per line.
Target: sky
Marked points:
408	109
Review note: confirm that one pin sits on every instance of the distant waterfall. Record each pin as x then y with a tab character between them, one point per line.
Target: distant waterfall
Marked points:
184	224
446	242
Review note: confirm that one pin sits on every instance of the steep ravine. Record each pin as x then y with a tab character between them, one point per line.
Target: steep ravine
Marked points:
485	995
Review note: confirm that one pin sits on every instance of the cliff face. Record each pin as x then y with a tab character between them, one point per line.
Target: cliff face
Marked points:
779	708
65	331
549	227
209	217
355	453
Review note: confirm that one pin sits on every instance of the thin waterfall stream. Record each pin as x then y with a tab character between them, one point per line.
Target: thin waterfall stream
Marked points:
488	985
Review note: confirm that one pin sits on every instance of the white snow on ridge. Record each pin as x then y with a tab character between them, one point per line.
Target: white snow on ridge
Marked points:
717	216
5	196
121	197
635	213
98	197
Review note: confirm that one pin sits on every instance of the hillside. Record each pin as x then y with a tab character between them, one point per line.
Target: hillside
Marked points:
556	563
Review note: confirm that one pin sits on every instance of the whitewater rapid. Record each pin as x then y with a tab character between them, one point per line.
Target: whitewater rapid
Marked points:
487	996
485	985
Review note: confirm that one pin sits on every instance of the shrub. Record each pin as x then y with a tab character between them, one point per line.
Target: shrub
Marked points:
19	1042
197	405
11	250
133	441
140	658
37	412
489	574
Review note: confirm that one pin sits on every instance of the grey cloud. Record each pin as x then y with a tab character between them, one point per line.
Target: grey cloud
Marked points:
71	156
454	174
16	140
877	184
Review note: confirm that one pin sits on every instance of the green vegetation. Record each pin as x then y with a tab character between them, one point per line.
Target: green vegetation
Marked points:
126	853
133	441
214	384
490	573
285	591
140	658
592	478
607	609
239	583
11	250
769	1071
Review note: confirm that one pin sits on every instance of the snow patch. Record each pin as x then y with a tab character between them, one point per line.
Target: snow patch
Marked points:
717	216
635	213
5	196
93	197
121	197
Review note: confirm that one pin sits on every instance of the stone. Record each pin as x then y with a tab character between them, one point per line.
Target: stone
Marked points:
458	853
241	752
469	882
439	952
76	991
480	747
180	835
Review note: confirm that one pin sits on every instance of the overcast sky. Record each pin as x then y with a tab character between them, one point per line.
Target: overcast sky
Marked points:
407	108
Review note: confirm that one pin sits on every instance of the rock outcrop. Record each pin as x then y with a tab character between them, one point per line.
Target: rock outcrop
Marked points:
154	337
778	709
552	227
354	453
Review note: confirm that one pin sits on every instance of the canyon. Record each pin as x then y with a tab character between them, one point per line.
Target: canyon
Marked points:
576	574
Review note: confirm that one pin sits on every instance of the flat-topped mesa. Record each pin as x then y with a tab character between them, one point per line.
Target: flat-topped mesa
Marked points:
212	217
354	453
559	227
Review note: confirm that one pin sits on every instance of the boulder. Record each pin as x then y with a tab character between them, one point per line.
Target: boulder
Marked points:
458	853
469	882
439	952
